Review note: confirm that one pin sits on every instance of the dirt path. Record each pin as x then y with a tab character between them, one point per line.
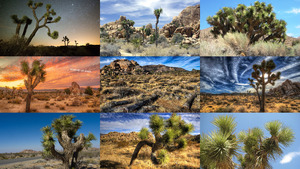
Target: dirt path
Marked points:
124	53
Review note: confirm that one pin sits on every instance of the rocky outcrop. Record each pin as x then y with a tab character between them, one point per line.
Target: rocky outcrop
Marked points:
124	66
121	66
114	29
160	68
186	23
75	89
287	88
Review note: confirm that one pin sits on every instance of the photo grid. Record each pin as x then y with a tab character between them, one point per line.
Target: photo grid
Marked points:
132	95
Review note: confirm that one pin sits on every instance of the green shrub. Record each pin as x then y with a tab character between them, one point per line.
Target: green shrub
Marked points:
237	41
89	91
295	42
148	31
153	38
177	38
297	49
143	134
182	143
268	49
162	156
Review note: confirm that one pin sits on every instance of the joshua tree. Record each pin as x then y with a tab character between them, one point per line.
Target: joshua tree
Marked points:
218	148
45	19
66	40
35	75
65	131
76	43
19	22
143	29
126	24
257	22
259	73
157	13
260	149
166	133
28	21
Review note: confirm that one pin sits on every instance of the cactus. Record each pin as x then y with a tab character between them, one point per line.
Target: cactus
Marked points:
19	22
35	75
260	71
66	40
28	21
166	133
65	131
257	22
126	25
45	19
157	13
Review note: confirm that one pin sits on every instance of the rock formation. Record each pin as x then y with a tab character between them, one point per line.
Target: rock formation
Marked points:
287	88
124	66
75	89
186	23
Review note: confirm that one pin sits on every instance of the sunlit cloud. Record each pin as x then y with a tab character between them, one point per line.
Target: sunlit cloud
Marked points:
289	157
294	11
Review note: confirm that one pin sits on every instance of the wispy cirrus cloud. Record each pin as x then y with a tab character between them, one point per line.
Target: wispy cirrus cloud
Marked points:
289	157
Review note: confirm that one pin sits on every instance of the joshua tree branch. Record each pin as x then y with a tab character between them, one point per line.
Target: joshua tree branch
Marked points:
137	149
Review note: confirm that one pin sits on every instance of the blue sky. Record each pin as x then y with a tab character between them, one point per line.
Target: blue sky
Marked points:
141	11
128	122
246	121
288	10
230	74
188	63
21	131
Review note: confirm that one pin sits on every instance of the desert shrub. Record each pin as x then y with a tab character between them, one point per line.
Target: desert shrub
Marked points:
162	156
148	31
194	80
182	143
122	144
47	106
153	38
15	101
109	50
136	40
262	48
284	109
61	107
42	97
242	109
177	38
225	109
13	47
124	91
295	42
143	134
297	49
89	91
67	91
118	83
237	41
103	33
162	39
215	48
76	102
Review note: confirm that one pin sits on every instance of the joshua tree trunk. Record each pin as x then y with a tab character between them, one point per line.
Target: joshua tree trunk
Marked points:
28	101
32	35
25	30
262	108
18	29
138	147
156	31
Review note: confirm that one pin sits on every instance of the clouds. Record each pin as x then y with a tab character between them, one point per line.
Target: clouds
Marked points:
142	10
128	122
188	63
294	11
289	157
230	74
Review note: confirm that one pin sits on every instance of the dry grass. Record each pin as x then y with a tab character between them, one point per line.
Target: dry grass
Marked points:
113	156
247	103
51	102
172	91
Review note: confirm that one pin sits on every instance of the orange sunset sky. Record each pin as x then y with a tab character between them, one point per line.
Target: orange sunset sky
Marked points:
61	72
